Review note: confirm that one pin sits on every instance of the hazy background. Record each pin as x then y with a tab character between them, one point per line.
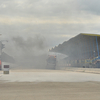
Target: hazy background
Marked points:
34	26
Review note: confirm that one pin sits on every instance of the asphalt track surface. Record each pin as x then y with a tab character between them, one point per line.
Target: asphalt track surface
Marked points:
48	76
49	85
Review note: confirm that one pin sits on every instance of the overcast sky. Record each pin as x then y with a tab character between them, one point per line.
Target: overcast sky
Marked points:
54	20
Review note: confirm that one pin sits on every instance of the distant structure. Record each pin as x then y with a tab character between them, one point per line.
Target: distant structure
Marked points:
4	57
82	50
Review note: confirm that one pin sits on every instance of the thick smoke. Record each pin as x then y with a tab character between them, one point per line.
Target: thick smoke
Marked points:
28	52
30	46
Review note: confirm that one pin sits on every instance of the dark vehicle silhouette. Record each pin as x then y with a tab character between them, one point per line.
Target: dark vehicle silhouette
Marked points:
51	62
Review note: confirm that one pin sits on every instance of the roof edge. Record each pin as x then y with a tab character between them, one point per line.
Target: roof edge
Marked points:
90	34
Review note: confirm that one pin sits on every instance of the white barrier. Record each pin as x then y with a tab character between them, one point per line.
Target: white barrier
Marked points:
6	69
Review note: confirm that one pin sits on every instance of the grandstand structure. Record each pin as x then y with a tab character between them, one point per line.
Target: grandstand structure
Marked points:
82	50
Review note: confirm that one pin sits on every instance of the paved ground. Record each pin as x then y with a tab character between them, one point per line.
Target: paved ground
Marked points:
48	76
84	70
50	91
49	85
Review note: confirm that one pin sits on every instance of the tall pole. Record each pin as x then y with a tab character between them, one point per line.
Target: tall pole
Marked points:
97	46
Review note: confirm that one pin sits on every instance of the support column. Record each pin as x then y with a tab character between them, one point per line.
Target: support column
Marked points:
97	46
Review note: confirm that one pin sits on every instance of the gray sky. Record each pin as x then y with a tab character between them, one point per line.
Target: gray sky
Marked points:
54	20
